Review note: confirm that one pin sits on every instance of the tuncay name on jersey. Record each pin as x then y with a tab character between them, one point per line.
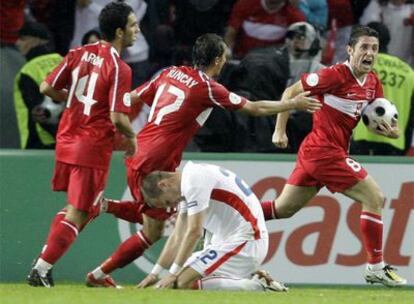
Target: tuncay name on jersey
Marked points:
183	78
92	58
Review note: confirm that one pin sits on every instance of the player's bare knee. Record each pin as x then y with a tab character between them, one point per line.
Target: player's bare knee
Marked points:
76	216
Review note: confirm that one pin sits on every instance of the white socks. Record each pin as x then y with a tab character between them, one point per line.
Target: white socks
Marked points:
376	267
42	267
98	273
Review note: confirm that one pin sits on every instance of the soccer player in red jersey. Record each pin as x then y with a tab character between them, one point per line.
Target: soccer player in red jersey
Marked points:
97	102
323	158
181	99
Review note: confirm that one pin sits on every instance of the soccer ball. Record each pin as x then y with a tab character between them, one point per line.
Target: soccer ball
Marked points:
53	110
379	110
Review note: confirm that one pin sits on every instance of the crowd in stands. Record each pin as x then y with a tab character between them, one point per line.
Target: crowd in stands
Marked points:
272	42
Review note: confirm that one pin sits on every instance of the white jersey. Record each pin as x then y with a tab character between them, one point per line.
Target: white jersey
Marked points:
233	212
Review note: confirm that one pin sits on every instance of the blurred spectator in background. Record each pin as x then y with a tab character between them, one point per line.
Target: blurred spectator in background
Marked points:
86	18
315	11
259	23
11	20
341	19
193	18
59	17
358	7
263	74
397	78
398	16
91	37
37	115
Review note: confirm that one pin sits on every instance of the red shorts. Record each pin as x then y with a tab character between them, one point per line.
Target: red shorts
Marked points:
134	178
337	174
83	185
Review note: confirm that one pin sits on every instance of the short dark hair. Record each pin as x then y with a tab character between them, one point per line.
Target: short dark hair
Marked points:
206	48
113	16
149	185
359	31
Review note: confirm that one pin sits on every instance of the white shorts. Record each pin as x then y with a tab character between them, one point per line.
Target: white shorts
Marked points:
235	260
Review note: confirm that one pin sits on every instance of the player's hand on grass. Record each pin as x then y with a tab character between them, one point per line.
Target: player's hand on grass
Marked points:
280	139
305	103
130	147
387	130
166	282
150	279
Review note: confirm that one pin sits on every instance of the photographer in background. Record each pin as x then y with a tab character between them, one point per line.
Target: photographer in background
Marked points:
37	115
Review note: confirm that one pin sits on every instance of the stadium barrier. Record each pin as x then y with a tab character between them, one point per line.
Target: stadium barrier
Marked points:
320	245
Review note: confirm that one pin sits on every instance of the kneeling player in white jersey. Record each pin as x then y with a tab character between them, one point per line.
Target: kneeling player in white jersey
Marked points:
217	200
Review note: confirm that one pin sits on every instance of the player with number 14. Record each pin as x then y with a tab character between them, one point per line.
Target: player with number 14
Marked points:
95	83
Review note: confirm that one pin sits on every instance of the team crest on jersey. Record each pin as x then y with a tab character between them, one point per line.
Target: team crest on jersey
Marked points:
234	98
369	93
127	99
312	79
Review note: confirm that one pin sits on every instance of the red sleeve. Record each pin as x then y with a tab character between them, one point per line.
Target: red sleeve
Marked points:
147	90
59	78
119	98
218	95
238	14
323	81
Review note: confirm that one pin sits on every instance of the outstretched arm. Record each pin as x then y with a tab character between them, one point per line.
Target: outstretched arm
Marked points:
300	101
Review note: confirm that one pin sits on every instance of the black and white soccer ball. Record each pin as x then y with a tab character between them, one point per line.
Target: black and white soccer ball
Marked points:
379	110
52	110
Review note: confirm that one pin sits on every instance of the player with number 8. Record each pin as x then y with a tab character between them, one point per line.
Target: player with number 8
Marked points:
323	157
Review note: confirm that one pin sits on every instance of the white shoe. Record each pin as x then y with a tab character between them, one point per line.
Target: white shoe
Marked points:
268	283
386	276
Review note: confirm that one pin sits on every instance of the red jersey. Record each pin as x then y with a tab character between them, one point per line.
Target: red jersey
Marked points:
343	97
99	83
181	99
258	27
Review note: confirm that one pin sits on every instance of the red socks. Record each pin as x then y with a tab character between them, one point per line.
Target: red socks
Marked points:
128	251
61	236
371	228
269	210
126	210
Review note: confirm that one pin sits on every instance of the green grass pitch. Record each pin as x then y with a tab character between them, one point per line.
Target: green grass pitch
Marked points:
79	294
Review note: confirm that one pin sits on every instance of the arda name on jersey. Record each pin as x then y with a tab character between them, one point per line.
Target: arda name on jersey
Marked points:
92	58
